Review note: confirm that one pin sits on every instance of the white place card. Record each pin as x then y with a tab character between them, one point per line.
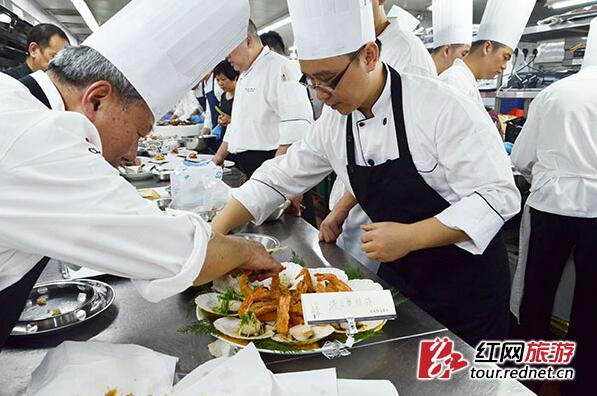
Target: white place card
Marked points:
324	308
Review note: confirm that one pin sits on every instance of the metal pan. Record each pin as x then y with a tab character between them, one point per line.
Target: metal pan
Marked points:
267	241
55	306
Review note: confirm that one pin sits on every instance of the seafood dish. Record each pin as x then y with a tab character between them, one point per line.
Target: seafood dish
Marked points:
242	311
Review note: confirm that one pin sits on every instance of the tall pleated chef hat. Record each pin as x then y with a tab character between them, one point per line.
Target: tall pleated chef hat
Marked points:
591	51
405	20
326	28
164	48
504	21
452	22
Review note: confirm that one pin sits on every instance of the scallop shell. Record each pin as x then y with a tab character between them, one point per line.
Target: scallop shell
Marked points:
287	277
364	285
225	282
341	275
364	326
209	301
319	333
230	327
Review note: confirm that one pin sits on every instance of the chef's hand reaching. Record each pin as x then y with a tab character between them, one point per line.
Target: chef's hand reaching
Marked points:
258	260
386	242
296	206
331	227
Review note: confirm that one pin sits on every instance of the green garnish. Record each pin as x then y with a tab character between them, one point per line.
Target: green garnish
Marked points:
225	299
353	272
297	259
274	346
202	327
248	318
367	334
398	302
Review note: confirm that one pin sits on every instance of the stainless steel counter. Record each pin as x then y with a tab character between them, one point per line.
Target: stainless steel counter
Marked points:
391	355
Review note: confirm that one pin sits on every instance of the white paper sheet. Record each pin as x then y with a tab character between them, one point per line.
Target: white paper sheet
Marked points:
93	368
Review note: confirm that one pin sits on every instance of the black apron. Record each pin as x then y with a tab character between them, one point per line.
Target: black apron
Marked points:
12	299
467	293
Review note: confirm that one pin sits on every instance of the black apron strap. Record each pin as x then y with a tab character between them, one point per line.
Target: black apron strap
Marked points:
13	298
35	90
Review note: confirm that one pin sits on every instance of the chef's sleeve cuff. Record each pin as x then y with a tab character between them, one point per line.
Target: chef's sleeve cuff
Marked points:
259	198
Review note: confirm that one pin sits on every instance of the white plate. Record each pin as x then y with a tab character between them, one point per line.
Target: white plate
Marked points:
209	301
230	326
364	285
209	157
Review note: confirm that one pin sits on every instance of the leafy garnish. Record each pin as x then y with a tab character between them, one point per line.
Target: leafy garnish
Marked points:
367	334
274	346
398	301
225	299
202	327
248	318
297	259
354	273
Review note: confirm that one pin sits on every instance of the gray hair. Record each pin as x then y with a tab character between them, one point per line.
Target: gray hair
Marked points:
82	66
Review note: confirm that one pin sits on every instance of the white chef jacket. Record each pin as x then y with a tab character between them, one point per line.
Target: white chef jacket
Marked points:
186	106
454	147
65	201
52	93
557	148
270	107
462	78
405	52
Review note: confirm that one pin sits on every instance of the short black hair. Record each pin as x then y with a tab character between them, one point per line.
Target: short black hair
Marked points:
273	40
43	33
479	43
225	68
456	46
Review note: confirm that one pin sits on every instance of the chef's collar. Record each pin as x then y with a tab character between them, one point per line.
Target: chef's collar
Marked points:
50	90
263	53
382	105
390	31
469	73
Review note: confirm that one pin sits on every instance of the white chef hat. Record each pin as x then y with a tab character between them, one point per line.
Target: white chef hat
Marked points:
591	51
504	21
326	28
452	22
405	20
165	47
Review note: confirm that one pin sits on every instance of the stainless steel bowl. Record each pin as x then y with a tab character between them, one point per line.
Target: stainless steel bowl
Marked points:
198	143
267	241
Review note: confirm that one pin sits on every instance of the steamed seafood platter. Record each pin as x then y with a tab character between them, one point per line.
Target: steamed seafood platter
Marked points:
272	309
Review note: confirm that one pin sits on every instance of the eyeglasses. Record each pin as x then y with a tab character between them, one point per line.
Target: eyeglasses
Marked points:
332	85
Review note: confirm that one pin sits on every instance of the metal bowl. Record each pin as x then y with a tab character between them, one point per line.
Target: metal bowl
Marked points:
198	143
161	175
278	212
267	241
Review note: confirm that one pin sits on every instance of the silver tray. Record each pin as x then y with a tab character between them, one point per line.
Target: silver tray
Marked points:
67	303
267	241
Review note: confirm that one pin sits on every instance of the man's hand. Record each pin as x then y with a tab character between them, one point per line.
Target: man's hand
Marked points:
387	242
258	260
331	227
296	207
218	160
206	131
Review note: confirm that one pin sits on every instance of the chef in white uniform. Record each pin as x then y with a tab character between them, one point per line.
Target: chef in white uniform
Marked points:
557	153
452	32
406	53
501	29
271	108
67	201
438	234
